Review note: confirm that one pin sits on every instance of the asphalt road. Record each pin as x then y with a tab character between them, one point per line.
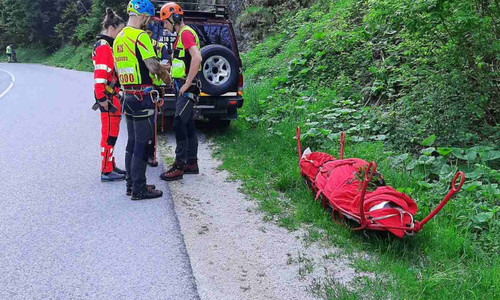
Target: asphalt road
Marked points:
63	233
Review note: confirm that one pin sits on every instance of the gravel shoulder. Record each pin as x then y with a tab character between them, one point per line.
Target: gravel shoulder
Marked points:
234	253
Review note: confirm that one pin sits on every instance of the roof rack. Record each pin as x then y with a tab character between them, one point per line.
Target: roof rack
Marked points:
200	10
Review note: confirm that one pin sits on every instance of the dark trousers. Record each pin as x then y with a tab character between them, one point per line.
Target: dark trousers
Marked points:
140	121
185	131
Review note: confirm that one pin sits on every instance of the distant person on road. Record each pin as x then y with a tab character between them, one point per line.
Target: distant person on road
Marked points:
136	61
9	51
186	64
106	92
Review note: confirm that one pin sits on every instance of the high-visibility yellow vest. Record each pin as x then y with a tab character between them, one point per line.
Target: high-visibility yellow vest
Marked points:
8	50
179	61
131	47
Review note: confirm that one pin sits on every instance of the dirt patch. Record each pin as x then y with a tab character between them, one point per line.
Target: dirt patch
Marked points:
234	253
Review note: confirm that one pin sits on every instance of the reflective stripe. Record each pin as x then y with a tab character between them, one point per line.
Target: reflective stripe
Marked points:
101	80
102	67
128	70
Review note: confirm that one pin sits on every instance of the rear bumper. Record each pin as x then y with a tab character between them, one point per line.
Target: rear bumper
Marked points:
224	107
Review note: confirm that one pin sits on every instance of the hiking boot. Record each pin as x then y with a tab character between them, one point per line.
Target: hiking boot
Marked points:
148	186
152	162
111	176
191	168
175	172
147	194
118	170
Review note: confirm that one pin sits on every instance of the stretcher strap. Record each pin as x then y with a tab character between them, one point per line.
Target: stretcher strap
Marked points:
370	170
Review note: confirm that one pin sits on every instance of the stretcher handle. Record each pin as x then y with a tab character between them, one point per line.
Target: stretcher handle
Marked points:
370	171
454	186
454	189
299	146
342	142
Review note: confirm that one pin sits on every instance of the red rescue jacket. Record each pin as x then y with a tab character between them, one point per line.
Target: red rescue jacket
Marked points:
104	67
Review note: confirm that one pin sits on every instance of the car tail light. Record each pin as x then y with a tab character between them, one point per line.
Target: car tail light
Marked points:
233	102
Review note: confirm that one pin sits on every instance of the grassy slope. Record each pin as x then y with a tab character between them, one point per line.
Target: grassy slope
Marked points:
444	261
438	258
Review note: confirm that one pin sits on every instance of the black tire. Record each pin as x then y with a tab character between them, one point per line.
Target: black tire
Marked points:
210	73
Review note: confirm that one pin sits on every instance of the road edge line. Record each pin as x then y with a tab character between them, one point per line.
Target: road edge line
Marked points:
11	85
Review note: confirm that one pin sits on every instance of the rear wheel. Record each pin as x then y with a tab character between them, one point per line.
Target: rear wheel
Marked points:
220	70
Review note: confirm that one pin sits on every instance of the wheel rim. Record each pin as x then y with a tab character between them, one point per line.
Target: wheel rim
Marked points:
217	70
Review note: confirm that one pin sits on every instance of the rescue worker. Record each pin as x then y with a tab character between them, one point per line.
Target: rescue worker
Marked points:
135	58
8	50
186	64
106	89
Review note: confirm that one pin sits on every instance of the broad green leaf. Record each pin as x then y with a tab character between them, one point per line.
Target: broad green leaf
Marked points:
429	141
472	186
447	172
458	153
402	157
413	163
357	139
333	136
428	151
325	132
437	165
484	217
312	132
444	151
424	184
425	160
470	155
491	155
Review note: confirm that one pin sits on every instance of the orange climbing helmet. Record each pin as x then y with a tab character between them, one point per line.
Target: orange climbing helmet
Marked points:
171	9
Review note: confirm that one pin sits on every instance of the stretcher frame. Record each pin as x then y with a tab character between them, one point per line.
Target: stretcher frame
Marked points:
364	221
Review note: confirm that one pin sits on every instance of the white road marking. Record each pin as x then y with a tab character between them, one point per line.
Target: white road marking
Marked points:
11	85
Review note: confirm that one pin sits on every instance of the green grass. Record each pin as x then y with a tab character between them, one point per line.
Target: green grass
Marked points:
440	262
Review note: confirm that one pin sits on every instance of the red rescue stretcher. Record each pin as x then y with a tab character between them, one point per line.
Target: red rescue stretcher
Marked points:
335	183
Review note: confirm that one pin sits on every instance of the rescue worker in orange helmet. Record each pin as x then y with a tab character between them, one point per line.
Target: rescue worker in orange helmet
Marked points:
106	89
186	64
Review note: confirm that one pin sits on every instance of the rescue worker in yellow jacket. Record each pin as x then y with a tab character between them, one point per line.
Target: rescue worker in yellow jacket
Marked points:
9	51
135	60
186	64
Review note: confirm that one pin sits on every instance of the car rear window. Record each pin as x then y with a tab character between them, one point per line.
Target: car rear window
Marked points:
208	34
214	34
